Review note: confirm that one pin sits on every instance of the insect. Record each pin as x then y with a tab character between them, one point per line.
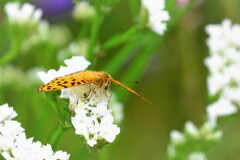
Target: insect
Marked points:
82	78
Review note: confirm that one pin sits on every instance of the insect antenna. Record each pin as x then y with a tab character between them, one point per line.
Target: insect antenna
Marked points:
129	89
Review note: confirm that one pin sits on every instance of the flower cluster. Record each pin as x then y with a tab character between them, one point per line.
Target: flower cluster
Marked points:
83	11
223	86
15	145
200	140
25	19
93	120
157	16
25	14
224	67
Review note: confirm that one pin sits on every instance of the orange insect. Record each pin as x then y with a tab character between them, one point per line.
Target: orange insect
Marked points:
84	77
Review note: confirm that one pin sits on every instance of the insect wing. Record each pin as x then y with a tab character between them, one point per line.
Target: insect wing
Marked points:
70	80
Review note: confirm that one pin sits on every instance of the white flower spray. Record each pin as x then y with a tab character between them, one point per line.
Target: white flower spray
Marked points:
224	69
157	16
92	118
22	14
223	87
15	146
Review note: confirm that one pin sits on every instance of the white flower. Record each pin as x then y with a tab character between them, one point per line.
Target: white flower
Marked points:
14	144
6	113
92	120
83	11
209	133
215	63
179	144
191	129
25	14
157	15
224	69
177	137
223	36
222	107
232	94
216	83
197	156
10	132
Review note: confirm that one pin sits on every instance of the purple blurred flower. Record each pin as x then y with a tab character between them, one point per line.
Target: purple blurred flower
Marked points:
185	2
54	7
182	2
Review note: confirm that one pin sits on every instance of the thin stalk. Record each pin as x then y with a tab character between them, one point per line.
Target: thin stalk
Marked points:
55	136
119	38
94	34
84	31
118	60
10	55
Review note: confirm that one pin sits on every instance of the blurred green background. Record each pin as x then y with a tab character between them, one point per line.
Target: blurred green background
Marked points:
174	80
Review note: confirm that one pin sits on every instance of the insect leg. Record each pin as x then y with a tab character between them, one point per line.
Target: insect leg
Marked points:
86	95
89	95
109	99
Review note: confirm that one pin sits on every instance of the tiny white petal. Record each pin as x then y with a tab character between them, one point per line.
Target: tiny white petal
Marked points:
25	14
47	77
197	156
191	129
6	112
60	155
177	137
157	15
83	10
37	15
220	108
27	11
77	63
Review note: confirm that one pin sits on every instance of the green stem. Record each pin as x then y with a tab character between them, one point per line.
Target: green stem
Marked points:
118	60
55	136
94	34
119	38
50	54
10	55
84	31
1	157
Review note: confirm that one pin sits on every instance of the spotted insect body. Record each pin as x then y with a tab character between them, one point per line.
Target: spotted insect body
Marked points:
82	78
